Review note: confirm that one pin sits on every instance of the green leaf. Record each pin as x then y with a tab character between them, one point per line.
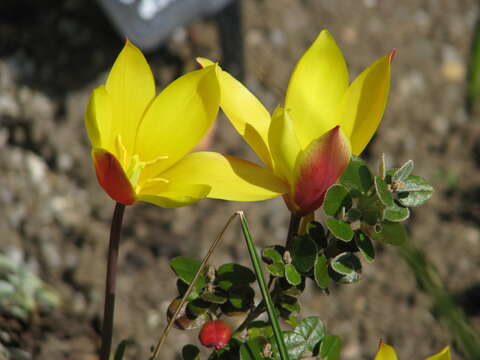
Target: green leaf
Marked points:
317	233
120	351
289	289
321	272
346	263
341	230
292	320
347	267
383	192
287	305
304	250
402	173
416	183
357	176
415	191
337	197
186	268
277	269
190	352
364	243
183	286
292	275
312	330
229	275
396	213
216	297
229	310
371	208
198	307
330	347
354	214
295	344
253	349
241	297
271	255
185	321
260	328
390	233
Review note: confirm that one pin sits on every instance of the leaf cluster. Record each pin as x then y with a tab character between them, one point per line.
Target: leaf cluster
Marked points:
225	290
361	209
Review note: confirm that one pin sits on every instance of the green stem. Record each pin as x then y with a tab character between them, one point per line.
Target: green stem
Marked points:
292	229
112	259
277	331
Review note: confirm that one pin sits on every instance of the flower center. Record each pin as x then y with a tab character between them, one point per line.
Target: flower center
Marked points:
134	166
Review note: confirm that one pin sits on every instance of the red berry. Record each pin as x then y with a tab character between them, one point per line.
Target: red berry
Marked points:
215	334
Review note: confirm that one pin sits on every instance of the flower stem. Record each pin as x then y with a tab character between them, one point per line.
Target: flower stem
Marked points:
292	229
277	331
108	310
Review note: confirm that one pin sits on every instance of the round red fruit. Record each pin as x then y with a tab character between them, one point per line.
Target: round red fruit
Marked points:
215	334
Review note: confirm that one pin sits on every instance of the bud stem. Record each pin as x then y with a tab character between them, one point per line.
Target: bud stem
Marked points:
292	229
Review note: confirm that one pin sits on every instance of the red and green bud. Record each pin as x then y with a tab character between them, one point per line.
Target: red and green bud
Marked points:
215	334
319	167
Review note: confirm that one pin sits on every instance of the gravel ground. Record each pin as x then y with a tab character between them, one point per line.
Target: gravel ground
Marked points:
55	218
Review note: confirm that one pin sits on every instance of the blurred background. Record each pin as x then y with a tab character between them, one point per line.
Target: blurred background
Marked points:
54	217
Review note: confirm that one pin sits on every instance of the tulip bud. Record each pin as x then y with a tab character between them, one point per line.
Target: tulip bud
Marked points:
319	167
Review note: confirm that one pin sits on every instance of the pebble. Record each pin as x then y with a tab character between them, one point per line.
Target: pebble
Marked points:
452	68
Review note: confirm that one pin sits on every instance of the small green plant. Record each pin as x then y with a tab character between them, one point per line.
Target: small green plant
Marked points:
22	292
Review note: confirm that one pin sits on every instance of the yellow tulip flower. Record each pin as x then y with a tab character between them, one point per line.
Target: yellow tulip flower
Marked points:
386	352
142	142
308	143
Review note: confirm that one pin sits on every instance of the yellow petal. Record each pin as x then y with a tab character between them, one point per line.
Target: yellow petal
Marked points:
442	355
131	88
247	115
174	195
230	178
316	88
98	119
385	352
178	119
283	143
364	103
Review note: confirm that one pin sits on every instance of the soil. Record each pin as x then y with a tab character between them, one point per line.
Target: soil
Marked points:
54	218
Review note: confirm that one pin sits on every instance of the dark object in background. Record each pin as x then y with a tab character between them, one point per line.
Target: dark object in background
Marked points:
148	22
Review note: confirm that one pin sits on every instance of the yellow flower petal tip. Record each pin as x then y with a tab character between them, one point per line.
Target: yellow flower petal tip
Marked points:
204	62
444	354
385	352
392	55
